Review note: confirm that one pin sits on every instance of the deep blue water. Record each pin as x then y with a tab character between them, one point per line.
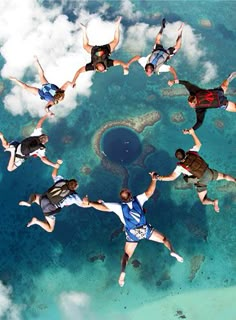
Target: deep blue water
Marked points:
40	266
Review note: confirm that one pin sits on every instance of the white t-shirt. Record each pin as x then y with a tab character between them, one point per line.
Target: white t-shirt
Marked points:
70	199
179	169
144	60
117	208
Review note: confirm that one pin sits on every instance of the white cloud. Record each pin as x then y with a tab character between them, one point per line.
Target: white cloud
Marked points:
128	10
58	45
74	305
210	72
8	310
140	39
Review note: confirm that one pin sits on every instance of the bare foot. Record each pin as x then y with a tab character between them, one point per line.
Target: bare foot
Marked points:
118	20
59	161
83	27
175	255
32	222
216	206
11	148
181	26
24	203
122	279
12	78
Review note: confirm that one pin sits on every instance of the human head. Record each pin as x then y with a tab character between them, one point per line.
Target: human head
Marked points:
180	154
100	67
126	195
43	138
72	184
149	69
59	96
192	101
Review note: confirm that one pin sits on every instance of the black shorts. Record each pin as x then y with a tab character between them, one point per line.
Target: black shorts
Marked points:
222	98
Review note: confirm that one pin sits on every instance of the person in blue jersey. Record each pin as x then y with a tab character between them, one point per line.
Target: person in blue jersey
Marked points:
100	54
32	146
61	194
202	99
195	170
49	91
156	61
132	215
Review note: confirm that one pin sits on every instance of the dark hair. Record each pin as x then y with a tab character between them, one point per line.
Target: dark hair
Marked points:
191	98
149	65
128	196
59	95
180	154
43	138
73	184
103	64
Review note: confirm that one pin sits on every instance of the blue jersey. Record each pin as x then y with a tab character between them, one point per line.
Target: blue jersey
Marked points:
134	217
48	91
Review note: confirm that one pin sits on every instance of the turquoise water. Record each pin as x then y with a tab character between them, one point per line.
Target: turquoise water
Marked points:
57	275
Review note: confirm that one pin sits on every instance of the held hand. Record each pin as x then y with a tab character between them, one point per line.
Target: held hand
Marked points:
59	161
171	82
154	175
126	69
85	201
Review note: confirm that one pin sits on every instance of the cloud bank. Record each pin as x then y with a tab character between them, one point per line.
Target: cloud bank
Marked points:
74	305
8	310
58	44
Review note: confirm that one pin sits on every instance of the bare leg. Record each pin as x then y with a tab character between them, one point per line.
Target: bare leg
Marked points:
5	143
206	201
86	45
178	43
47	225
223	176
129	250
224	85
159	35
158	237
11	164
25	86
113	44
42	78
231	106
33	198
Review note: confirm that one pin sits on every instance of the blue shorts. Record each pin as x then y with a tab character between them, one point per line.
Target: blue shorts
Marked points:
137	234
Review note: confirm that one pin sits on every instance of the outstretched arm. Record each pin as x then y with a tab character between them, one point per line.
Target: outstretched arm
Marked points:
56	167
170	177
192	88
98	205
48	162
135	58
78	72
41	120
152	186
196	140
173	72
200	114
66	85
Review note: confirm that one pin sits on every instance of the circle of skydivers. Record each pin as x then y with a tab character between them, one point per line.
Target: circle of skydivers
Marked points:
130	210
